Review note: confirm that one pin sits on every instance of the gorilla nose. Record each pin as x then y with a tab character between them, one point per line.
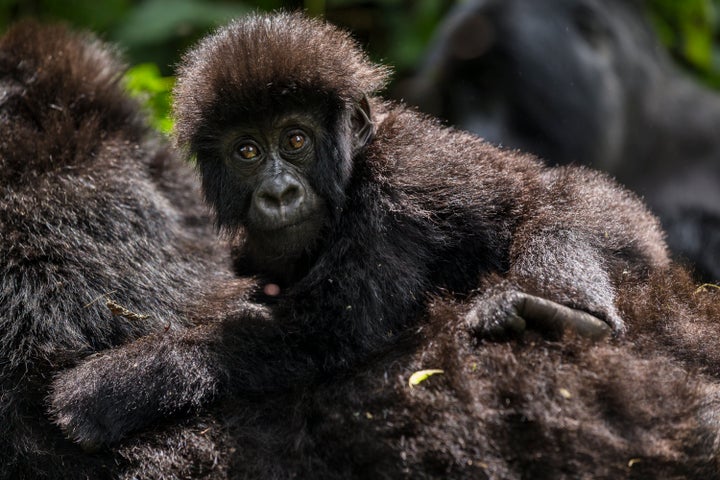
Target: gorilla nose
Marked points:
280	196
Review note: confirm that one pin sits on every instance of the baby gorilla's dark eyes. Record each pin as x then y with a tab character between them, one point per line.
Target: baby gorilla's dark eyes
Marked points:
295	141
247	151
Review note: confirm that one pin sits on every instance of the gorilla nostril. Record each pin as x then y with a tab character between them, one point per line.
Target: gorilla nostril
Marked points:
268	199
281	195
281	199
290	196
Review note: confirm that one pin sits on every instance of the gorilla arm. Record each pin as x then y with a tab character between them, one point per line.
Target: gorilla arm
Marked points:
176	372
587	236
553	266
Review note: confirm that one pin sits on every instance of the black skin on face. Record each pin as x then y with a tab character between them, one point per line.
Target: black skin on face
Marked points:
282	213
399	208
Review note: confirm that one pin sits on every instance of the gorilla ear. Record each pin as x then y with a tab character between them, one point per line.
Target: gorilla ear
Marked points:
362	125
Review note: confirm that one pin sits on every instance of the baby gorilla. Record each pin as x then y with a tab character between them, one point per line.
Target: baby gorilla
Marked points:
359	210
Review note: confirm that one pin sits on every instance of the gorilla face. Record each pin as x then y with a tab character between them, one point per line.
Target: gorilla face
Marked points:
268	165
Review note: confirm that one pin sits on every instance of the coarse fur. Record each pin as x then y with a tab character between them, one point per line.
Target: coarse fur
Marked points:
524	408
643	408
585	82
94	208
413	211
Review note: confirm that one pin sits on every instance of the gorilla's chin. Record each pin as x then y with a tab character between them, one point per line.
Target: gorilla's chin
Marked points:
286	240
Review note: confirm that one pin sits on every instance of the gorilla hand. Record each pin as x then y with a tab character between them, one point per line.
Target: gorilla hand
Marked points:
112	394
513	311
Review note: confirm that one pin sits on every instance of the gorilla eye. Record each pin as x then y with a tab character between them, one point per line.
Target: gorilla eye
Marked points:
247	151
295	141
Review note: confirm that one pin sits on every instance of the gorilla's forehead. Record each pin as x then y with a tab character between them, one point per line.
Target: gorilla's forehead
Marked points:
274	121
273	105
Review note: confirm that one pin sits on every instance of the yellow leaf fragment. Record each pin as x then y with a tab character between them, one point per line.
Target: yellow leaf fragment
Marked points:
117	309
705	287
421	375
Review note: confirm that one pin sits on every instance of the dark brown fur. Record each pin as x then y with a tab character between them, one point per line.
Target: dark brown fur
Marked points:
319	391
93	208
525	408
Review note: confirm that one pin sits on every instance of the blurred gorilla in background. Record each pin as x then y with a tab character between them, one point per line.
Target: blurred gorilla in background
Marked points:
585	81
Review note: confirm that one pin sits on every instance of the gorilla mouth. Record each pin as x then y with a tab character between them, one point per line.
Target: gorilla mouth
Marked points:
291	226
287	225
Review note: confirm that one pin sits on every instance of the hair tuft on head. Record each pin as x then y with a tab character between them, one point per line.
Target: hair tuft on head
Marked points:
253	58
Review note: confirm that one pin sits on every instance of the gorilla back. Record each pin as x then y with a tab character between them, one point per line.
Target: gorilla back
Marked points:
93	208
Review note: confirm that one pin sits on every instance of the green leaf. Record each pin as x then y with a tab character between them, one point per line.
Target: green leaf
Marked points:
145	82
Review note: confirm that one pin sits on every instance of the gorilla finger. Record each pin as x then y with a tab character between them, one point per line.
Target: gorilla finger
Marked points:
547	315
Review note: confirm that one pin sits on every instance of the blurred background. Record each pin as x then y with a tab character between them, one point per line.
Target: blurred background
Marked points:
152	34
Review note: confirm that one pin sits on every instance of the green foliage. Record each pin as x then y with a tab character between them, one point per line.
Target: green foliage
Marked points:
148	30
315	7
690	29
145	82
154	21
395	31
92	14
410	29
